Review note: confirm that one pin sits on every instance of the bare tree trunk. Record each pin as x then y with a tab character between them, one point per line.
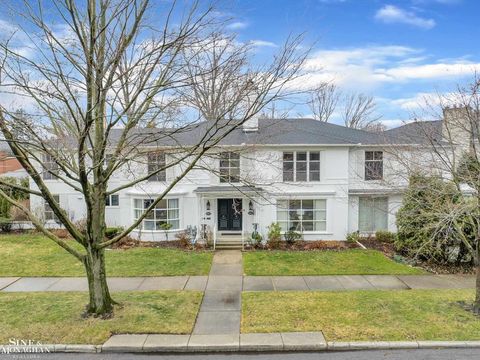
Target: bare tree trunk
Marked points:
101	303
476	304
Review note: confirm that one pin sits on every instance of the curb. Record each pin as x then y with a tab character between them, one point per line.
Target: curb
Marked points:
271	342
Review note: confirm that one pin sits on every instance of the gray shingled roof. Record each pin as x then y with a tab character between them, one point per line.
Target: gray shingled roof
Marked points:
299	131
418	131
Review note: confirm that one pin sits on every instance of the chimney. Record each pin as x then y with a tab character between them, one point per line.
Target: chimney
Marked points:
457	125
251	125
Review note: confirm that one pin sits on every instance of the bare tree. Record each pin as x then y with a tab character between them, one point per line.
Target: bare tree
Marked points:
359	111
217	67
450	153
99	92
323	101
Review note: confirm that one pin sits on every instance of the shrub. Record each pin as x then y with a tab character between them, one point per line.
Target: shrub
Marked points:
291	236
385	236
353	237
5	225
111	232
274	235
256	239
424	221
184	239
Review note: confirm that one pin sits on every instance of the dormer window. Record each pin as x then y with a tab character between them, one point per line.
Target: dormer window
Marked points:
373	165
301	166
229	167
156	162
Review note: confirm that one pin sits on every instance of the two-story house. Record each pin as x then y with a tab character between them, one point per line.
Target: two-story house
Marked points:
321	179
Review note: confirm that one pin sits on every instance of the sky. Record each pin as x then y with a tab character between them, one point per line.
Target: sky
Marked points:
400	52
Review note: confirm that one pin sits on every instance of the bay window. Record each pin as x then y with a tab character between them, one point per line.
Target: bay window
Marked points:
302	215
165	212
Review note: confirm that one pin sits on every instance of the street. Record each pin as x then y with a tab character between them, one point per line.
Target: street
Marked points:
443	354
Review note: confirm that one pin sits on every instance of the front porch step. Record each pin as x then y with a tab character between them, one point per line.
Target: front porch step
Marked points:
229	242
228	247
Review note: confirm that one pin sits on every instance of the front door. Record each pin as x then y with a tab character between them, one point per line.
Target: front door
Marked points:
230	214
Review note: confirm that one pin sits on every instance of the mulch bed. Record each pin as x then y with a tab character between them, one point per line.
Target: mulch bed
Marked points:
385	247
129	243
302	245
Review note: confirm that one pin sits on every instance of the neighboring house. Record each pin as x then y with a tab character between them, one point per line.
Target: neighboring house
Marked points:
321	179
9	165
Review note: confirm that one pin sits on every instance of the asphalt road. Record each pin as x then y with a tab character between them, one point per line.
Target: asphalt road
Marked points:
445	354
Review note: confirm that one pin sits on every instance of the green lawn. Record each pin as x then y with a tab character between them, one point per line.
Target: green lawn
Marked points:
326	262
35	255
364	315
56	317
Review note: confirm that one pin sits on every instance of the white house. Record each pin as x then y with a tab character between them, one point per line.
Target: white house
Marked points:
322	179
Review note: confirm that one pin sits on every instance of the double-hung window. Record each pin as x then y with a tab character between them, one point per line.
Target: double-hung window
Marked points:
165	212
372	214
229	167
301	166
156	161
373	165
50	167
302	215
48	211
112	200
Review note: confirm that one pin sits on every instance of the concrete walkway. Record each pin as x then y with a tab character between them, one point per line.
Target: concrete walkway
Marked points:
220	311
226	277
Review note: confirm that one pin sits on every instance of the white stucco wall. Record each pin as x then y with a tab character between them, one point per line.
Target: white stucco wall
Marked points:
340	171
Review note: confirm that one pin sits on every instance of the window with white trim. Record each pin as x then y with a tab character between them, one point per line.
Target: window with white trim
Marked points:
156	161
372	214
373	165
302	215
112	200
301	166
48	211
50	167
166	211
229	167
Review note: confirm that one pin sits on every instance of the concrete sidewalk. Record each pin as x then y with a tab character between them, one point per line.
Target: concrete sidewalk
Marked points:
227	278
220	312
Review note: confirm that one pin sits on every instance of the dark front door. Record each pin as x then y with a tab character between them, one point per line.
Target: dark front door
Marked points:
230	214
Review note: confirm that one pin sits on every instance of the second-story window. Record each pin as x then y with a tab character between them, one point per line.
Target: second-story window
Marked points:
229	167
373	165
301	166
50	167
156	161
